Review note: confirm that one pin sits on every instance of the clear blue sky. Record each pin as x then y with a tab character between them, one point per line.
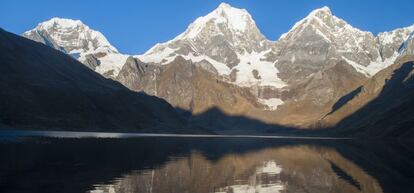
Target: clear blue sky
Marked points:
133	26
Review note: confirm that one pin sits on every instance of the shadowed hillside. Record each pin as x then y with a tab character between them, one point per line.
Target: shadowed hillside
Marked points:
42	88
382	107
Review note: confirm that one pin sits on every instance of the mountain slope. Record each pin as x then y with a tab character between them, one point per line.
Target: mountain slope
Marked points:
42	88
381	107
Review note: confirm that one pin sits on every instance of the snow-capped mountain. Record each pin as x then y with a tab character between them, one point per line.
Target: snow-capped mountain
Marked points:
76	39
229	40
320	37
307	69
223	60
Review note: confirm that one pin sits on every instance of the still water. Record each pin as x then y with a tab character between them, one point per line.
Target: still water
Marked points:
201	164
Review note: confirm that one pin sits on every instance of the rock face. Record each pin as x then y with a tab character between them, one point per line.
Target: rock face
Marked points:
139	76
78	40
42	88
192	88
181	82
223	61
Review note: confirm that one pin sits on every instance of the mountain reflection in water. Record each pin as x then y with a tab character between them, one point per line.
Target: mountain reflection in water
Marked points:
203	165
292	169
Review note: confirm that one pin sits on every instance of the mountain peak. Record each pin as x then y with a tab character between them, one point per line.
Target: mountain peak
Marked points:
78	40
222	35
321	14
323	10
71	36
61	22
237	20
224	5
321	18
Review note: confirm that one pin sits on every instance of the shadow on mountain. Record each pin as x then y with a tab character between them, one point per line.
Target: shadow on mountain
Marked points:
219	122
388	115
343	100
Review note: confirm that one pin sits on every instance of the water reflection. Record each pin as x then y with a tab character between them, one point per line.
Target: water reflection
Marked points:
283	169
203	165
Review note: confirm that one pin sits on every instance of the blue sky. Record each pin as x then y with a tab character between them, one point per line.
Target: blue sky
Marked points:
134	26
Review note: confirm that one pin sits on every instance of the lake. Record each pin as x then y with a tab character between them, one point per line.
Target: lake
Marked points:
109	162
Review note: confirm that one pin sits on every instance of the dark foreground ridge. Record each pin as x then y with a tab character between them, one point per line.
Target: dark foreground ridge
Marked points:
44	88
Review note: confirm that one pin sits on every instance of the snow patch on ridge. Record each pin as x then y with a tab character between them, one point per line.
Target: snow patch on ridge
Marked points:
158	54
111	62
267	71
374	67
249	62
393	36
222	69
